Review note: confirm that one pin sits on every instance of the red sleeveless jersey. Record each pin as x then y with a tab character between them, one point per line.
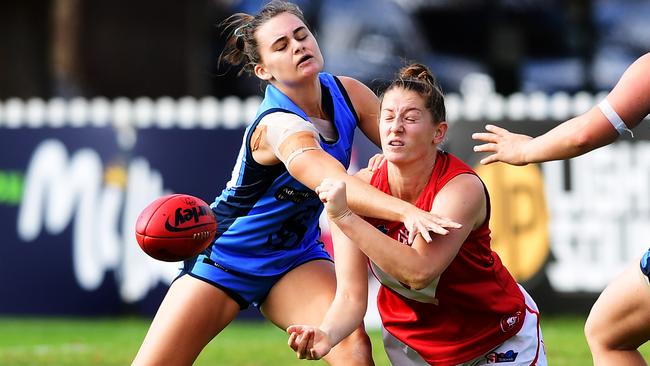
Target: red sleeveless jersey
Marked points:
473	306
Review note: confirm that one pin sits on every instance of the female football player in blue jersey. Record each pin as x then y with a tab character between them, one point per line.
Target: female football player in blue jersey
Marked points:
619	321
267	251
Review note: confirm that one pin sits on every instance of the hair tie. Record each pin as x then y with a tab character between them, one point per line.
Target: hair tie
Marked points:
239	30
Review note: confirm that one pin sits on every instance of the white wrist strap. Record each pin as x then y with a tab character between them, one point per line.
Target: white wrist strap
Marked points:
613	117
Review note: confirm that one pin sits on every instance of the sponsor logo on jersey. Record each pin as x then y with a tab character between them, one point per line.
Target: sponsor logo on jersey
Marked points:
286	193
509	321
499	357
403	236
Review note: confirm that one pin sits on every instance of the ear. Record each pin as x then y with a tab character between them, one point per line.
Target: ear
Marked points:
261	72
441	132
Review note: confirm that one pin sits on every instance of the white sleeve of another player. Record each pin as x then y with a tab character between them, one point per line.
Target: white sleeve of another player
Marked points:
281	125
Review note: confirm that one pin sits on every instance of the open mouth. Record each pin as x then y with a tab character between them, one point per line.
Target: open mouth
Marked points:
396	143
304	58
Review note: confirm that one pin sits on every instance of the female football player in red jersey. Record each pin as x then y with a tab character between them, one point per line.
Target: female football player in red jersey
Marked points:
619	321
447	302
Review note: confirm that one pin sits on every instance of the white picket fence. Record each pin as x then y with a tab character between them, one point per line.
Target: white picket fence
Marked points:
234	112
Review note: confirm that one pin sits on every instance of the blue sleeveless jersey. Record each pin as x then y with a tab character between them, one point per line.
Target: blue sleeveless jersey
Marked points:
265	217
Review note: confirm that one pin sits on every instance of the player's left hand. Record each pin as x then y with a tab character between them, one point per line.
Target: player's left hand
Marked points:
507	147
309	343
418	221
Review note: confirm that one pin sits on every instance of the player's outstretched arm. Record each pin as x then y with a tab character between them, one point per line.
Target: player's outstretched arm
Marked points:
347	309
312	166
286	138
625	107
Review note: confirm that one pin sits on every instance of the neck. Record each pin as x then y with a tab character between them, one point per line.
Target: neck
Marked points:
307	96
408	180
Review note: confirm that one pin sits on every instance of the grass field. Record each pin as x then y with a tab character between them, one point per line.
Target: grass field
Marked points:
84	342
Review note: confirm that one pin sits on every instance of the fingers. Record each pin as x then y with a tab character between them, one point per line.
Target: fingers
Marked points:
439	230
323	186
484	136
489	159
375	162
447	223
493	134
309	347
323	190
328	184
422	230
412	235
305	344
294	331
301	340
323	196
301	346
437	225
496	129
491	147
419	228
292	340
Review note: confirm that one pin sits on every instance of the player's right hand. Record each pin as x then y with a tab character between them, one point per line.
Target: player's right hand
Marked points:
507	147
309	343
332	193
375	162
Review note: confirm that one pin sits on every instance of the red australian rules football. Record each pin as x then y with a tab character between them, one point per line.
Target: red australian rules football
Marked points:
175	227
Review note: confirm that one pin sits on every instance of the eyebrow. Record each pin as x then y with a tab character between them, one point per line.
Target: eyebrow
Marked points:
413	109
282	38
405	111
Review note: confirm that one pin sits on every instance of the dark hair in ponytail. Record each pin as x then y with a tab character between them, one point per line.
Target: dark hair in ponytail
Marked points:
418	78
241	45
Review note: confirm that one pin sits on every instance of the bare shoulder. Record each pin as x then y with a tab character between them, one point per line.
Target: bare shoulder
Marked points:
364	174
469	184
366	104
462	198
352	84
359	93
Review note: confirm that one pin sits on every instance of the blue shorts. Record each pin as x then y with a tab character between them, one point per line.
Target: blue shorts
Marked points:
245	288
645	264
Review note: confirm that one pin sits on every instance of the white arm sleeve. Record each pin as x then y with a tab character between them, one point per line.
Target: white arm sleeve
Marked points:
613	117
281	125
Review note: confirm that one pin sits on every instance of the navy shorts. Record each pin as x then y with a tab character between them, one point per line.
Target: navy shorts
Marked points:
645	264
245	288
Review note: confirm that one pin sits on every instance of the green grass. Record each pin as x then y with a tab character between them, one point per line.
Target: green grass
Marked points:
77	342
